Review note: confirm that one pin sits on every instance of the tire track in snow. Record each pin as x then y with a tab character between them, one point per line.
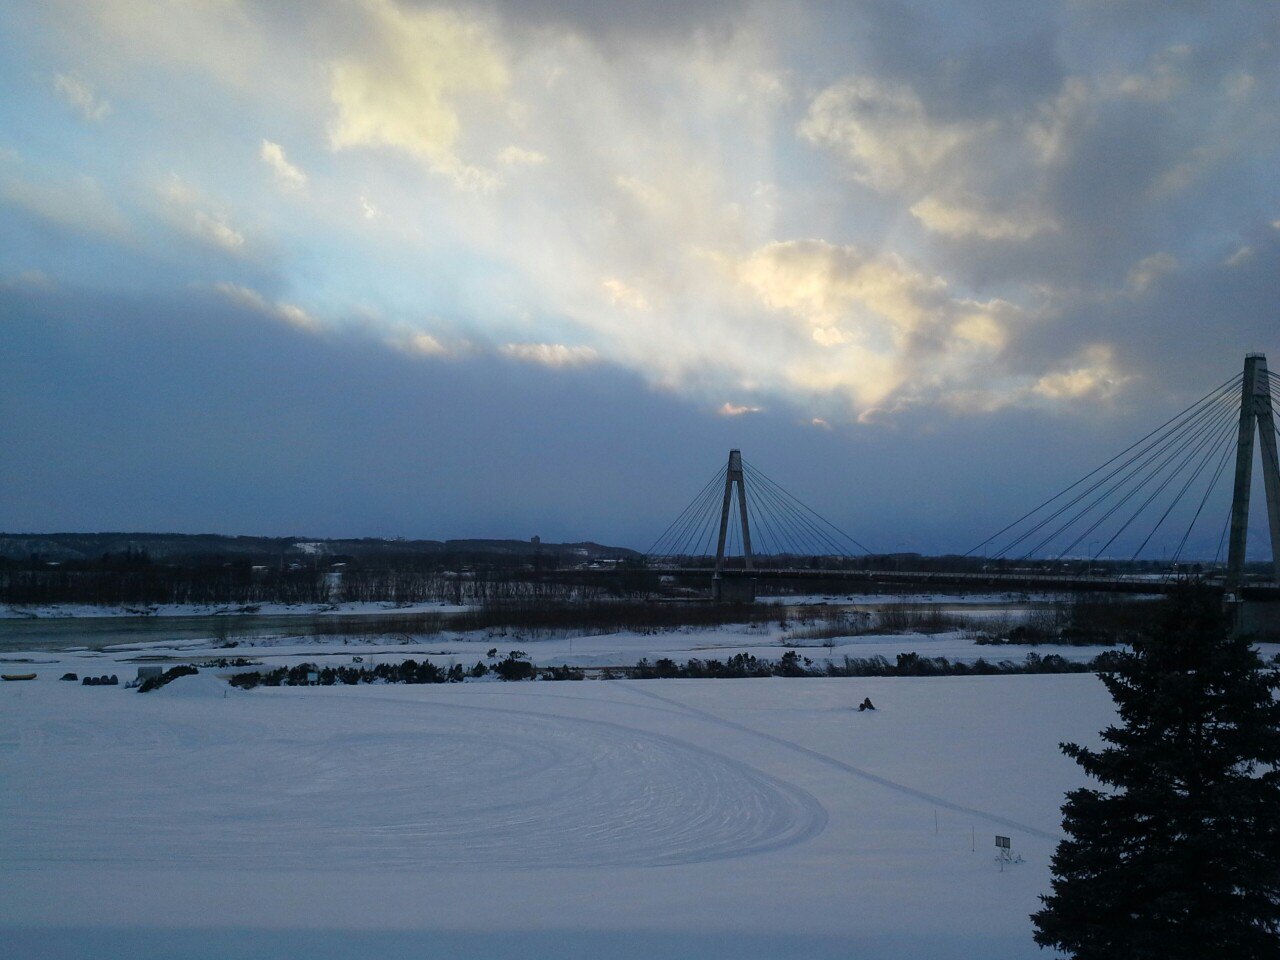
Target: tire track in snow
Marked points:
849	768
302	780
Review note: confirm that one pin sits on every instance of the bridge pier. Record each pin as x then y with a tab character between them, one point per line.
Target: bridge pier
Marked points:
1258	619
733	589
1255	416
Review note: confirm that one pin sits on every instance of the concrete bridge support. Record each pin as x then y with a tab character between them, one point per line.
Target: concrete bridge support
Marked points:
1255	415
1259	619
734	589
1256	619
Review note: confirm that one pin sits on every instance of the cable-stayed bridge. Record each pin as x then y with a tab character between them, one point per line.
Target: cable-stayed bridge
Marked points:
1166	489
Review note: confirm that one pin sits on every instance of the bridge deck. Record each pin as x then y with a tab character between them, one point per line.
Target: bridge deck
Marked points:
1046	582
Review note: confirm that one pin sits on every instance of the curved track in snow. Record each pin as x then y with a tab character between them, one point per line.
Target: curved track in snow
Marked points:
293	782
860	772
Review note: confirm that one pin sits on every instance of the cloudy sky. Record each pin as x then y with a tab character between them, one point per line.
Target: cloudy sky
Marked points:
382	267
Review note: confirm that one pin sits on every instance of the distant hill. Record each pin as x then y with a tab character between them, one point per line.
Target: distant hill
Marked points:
180	546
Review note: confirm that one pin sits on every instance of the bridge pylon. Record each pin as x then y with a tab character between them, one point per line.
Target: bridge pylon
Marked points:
736	590
1255	416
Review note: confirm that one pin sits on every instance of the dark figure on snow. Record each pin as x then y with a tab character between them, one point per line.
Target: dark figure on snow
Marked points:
866	705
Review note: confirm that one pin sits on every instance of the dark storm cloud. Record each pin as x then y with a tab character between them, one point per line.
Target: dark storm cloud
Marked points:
184	413
651	18
188	413
971	57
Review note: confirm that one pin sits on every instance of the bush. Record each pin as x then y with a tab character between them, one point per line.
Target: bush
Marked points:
516	666
155	683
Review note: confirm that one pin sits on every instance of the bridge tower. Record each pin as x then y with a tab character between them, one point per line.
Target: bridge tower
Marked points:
1255	415
737	590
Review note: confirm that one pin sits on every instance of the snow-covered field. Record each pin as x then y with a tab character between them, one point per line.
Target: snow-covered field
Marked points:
600	650
730	818
599	819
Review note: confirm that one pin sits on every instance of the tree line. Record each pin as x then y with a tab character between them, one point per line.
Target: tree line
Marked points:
517	666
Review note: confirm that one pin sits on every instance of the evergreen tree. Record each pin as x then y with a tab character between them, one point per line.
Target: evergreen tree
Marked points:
1179	855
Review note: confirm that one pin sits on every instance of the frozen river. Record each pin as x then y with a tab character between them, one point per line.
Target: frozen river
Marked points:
96	633
100	632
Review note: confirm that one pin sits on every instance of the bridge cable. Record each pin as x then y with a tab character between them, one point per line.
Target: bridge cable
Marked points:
1150	451
683	513
674	544
1211	441
1226	523
1208	433
691	542
773	506
1224	433
1220	442
1126	470
678	527
1133	465
1169	449
761	521
1222	463
807	509
706	533
712	526
1143	457
769	504
805	513
811	540
1211	396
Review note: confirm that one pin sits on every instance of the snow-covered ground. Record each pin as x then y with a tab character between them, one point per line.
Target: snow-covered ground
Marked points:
729	818
766	640
631	819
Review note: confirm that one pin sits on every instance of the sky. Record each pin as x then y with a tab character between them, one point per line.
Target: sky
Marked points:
391	268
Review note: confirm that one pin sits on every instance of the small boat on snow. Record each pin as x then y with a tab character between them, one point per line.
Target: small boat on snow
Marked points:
17	676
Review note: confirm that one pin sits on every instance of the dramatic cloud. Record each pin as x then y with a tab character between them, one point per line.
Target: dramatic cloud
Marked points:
944	168
854	216
968	216
883	131
406	91
881	323
1092	373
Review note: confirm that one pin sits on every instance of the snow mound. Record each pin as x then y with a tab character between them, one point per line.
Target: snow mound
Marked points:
200	686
